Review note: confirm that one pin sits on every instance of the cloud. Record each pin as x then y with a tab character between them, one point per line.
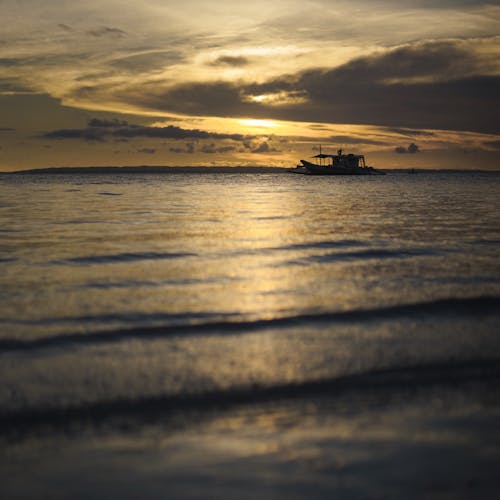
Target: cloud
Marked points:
493	144
441	4
210	98
235	61
96	122
263	148
172	132
106	31
421	62
410	132
212	149
279	99
189	148
420	86
346	139
99	130
344	23
411	149
147	61
87	134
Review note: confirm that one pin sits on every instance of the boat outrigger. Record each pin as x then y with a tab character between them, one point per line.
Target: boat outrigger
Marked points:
339	164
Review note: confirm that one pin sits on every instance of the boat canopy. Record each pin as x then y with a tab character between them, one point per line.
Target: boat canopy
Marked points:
350	155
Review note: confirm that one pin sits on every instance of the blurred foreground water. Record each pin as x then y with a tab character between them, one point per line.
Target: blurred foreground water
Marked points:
234	335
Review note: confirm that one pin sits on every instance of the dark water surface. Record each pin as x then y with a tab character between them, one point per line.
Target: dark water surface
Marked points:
243	335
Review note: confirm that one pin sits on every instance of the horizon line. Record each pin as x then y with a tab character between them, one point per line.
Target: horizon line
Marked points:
97	169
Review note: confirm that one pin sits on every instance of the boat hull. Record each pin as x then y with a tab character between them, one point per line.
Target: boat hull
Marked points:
314	169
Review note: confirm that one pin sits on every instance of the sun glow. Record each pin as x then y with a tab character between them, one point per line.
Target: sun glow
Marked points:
283	98
258	123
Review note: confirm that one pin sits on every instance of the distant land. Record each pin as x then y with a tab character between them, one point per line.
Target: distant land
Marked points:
151	170
203	170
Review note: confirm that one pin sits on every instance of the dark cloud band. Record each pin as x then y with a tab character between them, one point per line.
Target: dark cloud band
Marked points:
98	130
439	85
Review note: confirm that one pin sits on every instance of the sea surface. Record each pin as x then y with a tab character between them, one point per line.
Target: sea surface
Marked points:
249	335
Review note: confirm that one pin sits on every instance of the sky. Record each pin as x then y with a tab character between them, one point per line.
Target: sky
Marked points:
408	83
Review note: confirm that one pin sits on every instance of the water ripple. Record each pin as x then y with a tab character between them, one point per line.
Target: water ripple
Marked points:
377	253
443	373
126	257
322	244
476	306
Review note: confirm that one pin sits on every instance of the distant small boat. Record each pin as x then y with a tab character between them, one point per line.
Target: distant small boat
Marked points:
339	164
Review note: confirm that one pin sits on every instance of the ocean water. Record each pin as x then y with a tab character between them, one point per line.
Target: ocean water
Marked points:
235	335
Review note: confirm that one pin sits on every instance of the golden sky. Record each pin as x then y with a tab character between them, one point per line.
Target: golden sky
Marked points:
409	83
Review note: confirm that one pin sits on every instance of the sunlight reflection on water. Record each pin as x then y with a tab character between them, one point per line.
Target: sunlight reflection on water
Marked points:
241	244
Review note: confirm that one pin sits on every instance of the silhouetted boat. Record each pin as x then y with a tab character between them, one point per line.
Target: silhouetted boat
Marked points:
339	164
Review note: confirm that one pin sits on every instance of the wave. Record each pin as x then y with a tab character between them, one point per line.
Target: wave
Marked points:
131	317
126	257
79	222
7	259
273	217
456	307
394	379
141	283
485	242
322	244
378	253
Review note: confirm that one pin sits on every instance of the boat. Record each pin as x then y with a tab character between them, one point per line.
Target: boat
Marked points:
339	164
